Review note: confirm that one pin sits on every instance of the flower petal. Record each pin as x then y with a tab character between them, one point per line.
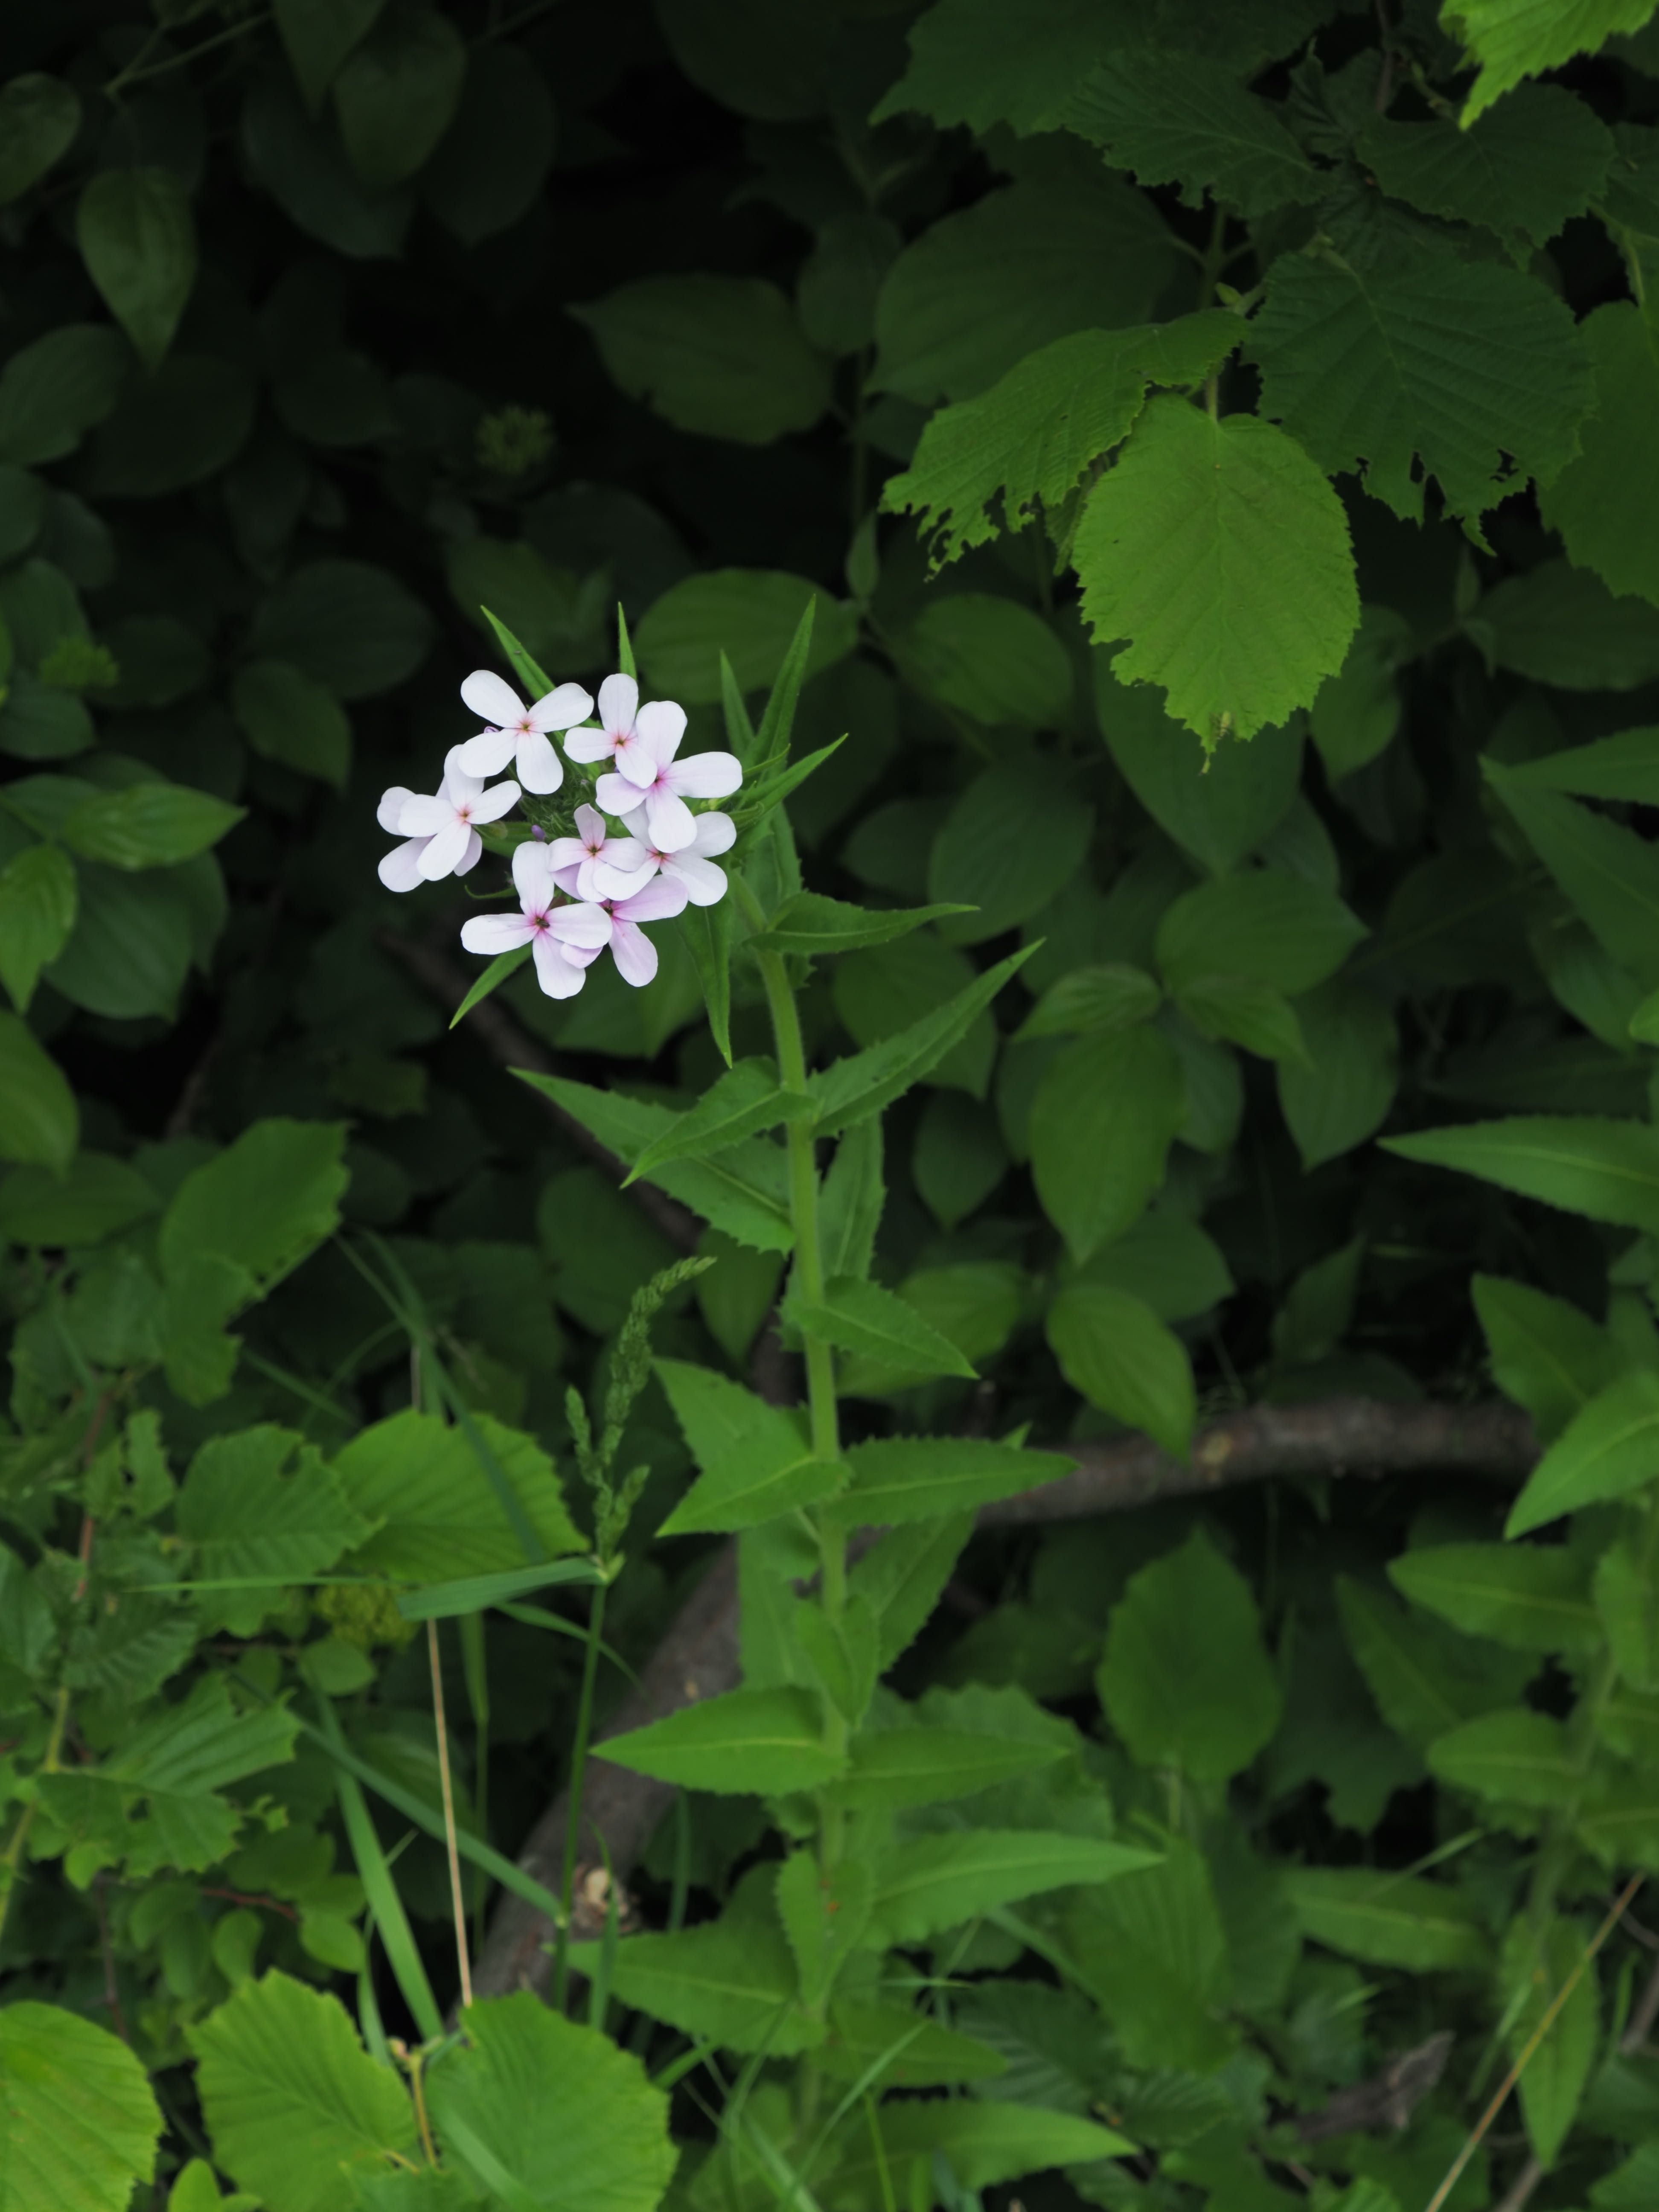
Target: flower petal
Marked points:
590	826
619	699
472	855
567	852
559	977
587	745
566	880
489	806
495	933
615	793
490	699
486	754
540	768
443	851
705	775
662	896
424	817
638	763
704	880
674	825
716	833
389	812
580	925
400	868
635	954
561	709
610	882
662	725
532	873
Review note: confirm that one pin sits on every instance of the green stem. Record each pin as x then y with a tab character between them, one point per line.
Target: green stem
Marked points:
13	1860
578	1770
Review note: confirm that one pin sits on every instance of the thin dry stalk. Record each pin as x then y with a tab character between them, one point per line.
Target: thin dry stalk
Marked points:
455	1897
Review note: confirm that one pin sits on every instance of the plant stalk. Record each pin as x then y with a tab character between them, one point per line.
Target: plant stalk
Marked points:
573	1826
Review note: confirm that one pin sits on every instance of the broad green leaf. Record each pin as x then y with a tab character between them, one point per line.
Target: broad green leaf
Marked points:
263	1204
1219	806
1219	552
864	1319
979	290
984	2142
1533	1597
491	164
317	35
78	2125
435	1507
1185	1679
1253	1015
39	1121
742	1102
1594	502
883	989
744	1192
349	626
249	1513
1105	1115
396	92
287	716
723	356
766	1741
811	924
1561	625
1545	1354
1514	38
570	2117
1532	1969
1152	1950
755	1459
39	117
1341	1094
1608	871
1606	1169
1518	1757
1005	844
147	825
1193	125
1025	446
1093	1002
195	2189
1357	712
897	1478
1627	1602
178	1760
989	658
966	69
38	903
1606	1451
53	391
853	1089
1624	766
750	614
138	237
890	1768
1167	1261
932	1882
733	1980
1424	1676
95	1196
1521	169
1114	1349
1265	926
296	2107
1472	368
1388	1920
910	2051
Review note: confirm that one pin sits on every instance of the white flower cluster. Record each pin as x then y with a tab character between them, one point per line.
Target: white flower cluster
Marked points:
579	893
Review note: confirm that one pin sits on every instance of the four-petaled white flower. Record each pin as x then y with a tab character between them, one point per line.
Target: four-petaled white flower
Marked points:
626	729
553	932
519	730
441	839
596	864
635	954
651	775
694	864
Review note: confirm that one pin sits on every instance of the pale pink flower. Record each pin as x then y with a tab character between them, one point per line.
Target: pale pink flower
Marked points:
635	954
651	775
625	728
693	864
594	864
553	933
445	827
520	730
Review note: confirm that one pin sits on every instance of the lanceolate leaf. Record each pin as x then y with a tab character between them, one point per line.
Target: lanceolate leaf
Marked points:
897	1478
935	1882
1609	872
896	1767
762	1741
755	1458
1607	1170
862	1317
1387	1920
810	923
1595	502
1219	551
1533	1597
742	1102
1518	1757
1607	1450
852	1090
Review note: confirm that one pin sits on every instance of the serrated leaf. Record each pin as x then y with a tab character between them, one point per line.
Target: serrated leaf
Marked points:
853	1089
1606	1169
1533	1597
249	1516
1518	1757
1607	1450
734	1980
181	1757
864	1319
1515	39
505	964
824	1912
1523	168
1190	123
903	1574
755	1459
1387	1920
436	1509
897	1478
890	1768
1595	502
1219	551
1032	437
1534	1968
812	925
1424	1677
1561	625
1115	1349
1624	765
767	1742
745	1100
986	2141
910	2051
1609	872
937	1881
1545	1354
78	2125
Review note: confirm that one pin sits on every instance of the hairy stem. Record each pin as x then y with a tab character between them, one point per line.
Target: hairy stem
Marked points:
578	1769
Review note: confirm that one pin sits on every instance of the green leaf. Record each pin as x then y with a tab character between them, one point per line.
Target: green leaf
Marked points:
1424	1678
180	1759
1520	170
571	2118
249	1515
138	237
1192	125
1269	927
296	2107
864	1319
767	1742
1534	1969
1152	1950
492	162
990	659
1005	844
1606	1169
396	92
1253	1015
892	1768
1356	713
474	1593
811	924
1388	1920
53	391
897	1479
149	825
723	356
1627	1604
755	1459
1624	766
349	626
263	1204
317	36
979	290
1545	1355
39	1121
1025	446
750	614
39	117
1185	1679
853	1089
1219	806
932	1882
906	2050
732	1980
195	2189
742	1102
288	717
1167	1261
95	1195
1474	369
1518	1757
1606	1451
1593	502
966	69
1514	38
1609	872
1114	1349
1105	1113
823	1913
38	903
1561	625
1218	550
436	1510
985	2143
1093	1002
902	1576
743	1192
1533	1597
1341	1094
78	2125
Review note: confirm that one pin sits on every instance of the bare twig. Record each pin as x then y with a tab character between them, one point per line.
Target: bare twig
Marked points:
1643	2015
457	1901
1520	2190
1387	2099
